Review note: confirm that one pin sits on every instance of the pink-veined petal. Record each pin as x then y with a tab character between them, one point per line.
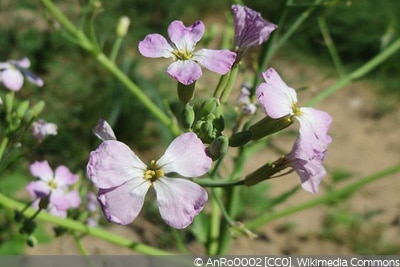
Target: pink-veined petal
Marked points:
179	200
275	96
114	163
185	38
154	46
12	79
185	71
38	189
22	63
64	176
186	155
219	61
314	122
42	170
123	203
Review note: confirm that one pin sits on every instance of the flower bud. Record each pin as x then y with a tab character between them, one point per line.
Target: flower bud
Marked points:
209	106
22	108
218	147
188	116
38	108
207	130
240	138
123	25
268	126
219	123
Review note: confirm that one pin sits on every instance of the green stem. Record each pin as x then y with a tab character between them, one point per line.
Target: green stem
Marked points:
358	73
79	244
78	226
137	92
326	198
215	222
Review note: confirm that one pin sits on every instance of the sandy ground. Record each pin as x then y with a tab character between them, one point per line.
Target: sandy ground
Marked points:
362	144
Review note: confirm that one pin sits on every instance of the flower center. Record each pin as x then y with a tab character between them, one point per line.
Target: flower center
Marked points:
153	172
182	54
53	184
296	110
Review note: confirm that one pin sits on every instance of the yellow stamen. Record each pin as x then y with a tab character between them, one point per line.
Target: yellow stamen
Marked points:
182	54
53	184
153	172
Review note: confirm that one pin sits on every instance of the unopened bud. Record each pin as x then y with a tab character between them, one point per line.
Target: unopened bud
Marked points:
188	116
37	108
218	147
22	108
209	106
268	126
240	138
207	129
123	25
219	123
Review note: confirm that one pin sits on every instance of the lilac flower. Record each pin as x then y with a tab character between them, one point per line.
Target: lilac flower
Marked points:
307	162
185	68
123	180
279	100
41	129
55	186
12	74
250	29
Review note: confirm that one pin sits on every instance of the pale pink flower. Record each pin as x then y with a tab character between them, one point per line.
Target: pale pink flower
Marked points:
123	180
181	48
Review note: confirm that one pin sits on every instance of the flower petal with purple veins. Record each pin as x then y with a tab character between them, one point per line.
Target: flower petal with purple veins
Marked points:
186	155
185	71
219	61
314	122
122	204
112	164
185	37
250	28
275	96
154	46
179	200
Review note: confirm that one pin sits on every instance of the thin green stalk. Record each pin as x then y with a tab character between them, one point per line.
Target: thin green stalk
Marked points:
12	204
80	245
3	146
215	222
358	73
334	195
331	46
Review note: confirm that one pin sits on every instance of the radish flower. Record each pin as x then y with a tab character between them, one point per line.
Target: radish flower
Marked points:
12	74
123	180
181	48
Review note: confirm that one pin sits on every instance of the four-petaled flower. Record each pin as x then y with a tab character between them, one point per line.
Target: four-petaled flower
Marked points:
12	74
54	186
123	180
180	47
280	100
250	29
